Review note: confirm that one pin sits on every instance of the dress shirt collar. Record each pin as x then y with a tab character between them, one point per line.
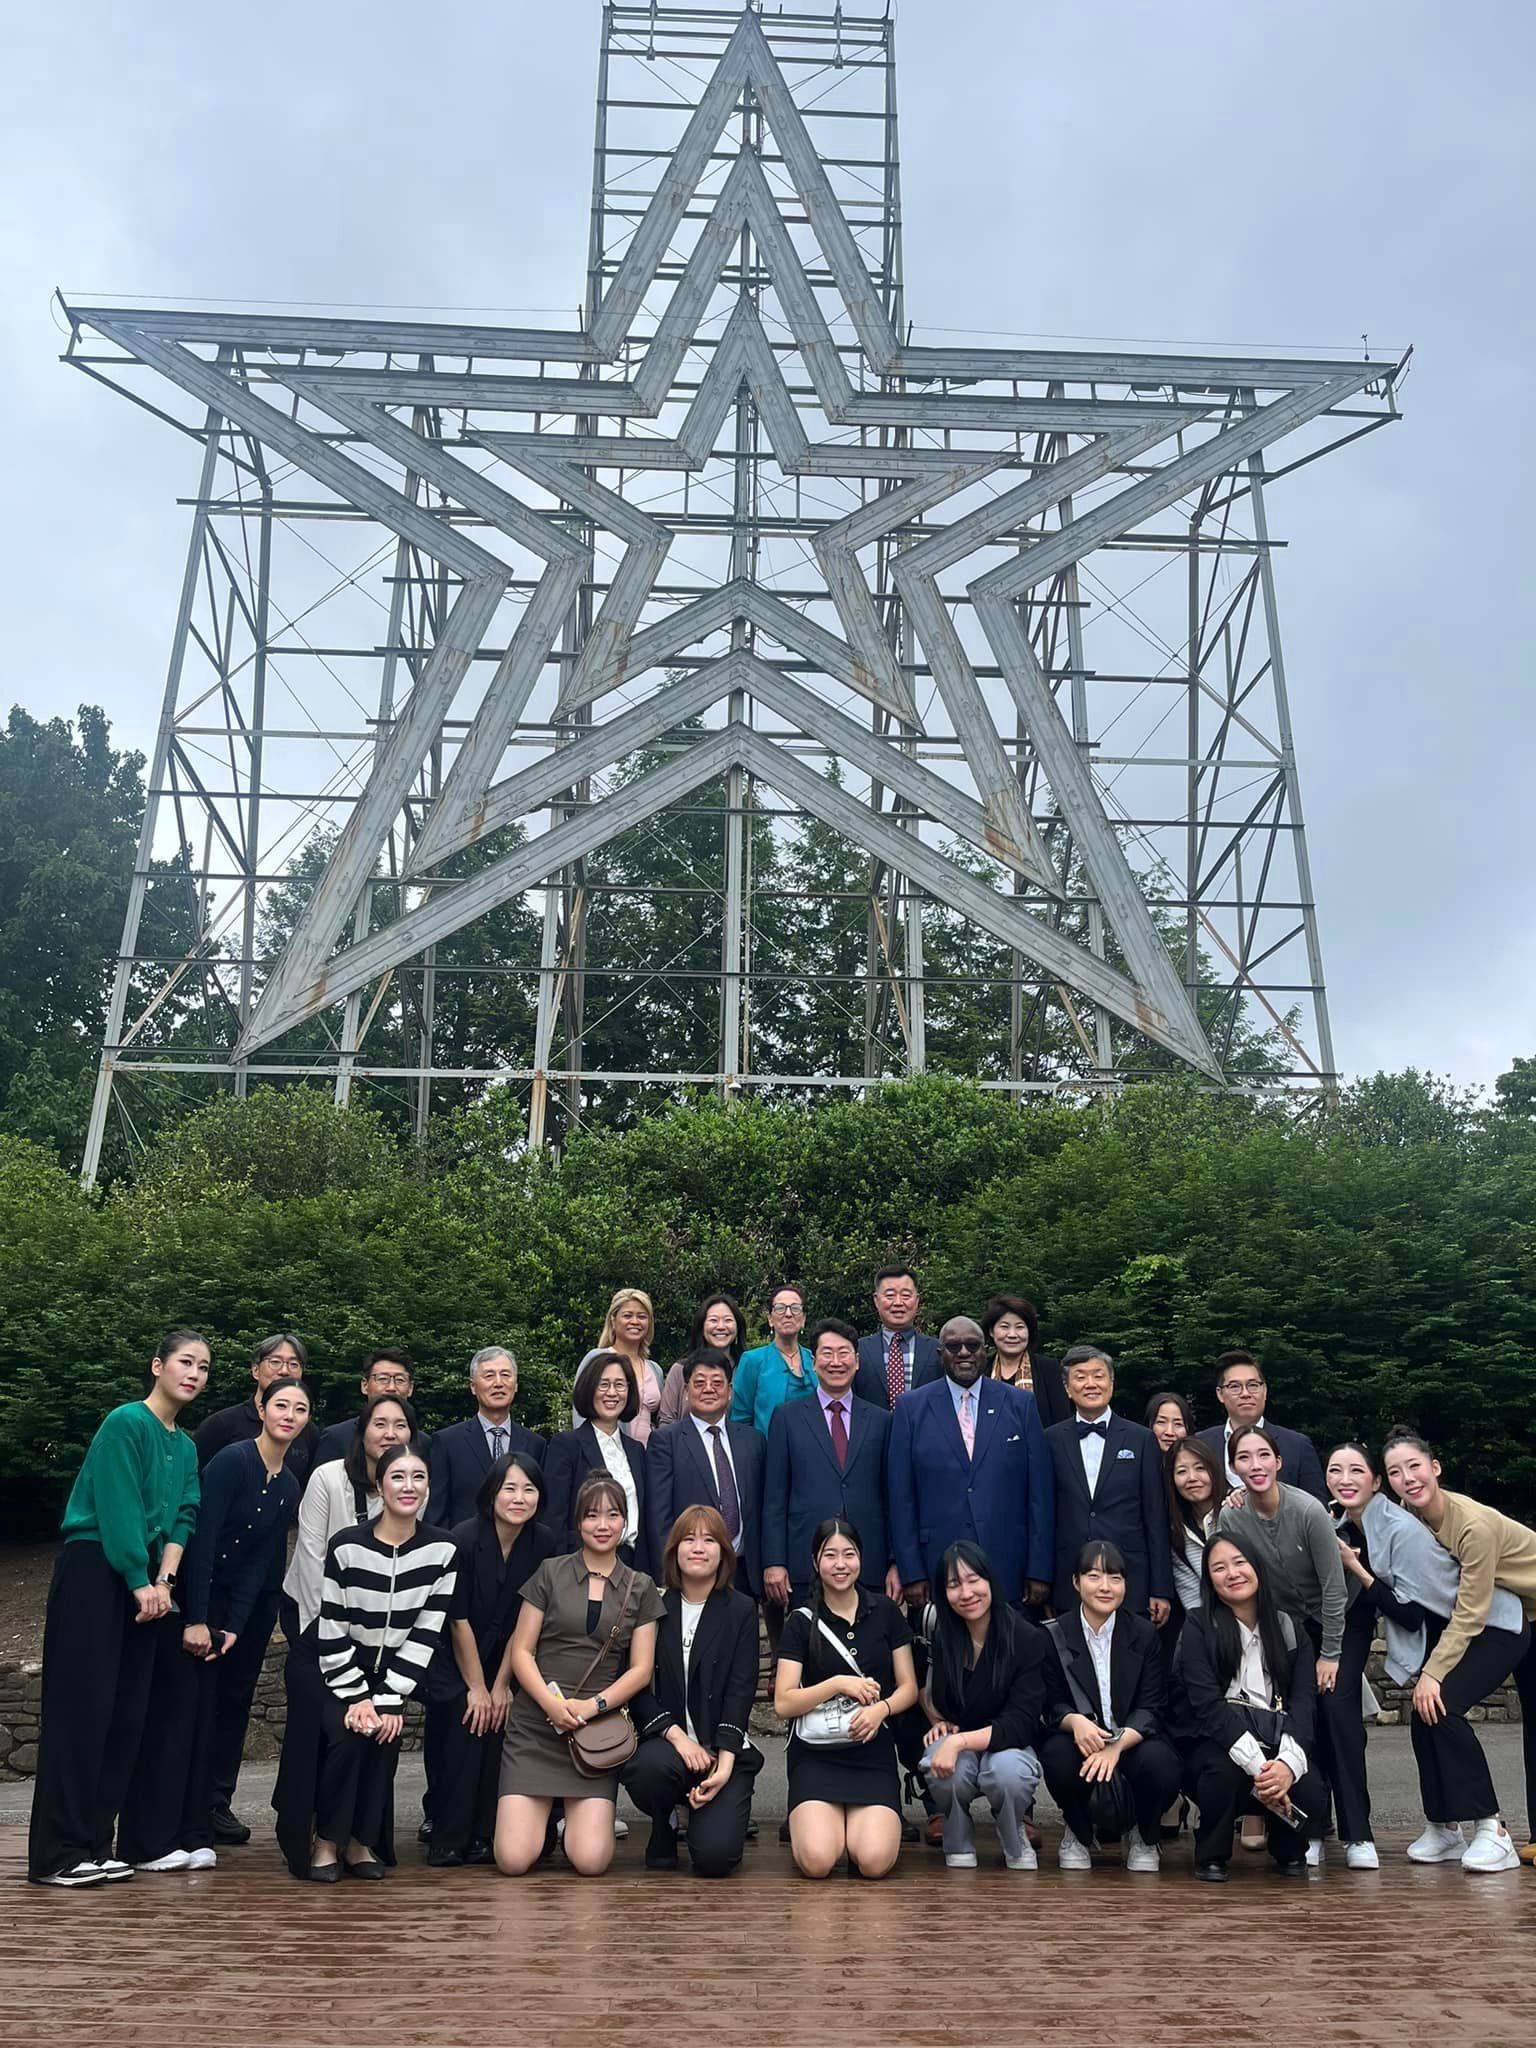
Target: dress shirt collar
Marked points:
827	1399
906	1338
704	1428
957	1393
1095	1419
1099	1635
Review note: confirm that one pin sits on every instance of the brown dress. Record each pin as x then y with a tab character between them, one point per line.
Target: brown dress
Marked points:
535	1758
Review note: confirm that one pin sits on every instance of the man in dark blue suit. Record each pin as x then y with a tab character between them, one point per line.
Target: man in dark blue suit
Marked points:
1243	1391
388	1371
706	1461
896	1357
1109	1487
967	1459
826	1456
463	1453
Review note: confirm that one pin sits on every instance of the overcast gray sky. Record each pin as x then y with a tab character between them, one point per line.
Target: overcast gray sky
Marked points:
1284	172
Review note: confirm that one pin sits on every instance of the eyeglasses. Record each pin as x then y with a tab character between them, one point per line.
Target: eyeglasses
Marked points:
963	1344
787	1308
1242	1386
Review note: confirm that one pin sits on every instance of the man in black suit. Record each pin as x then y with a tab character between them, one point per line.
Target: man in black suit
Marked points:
388	1371
463	1453
826	1456
1109	1488
1243	1391
706	1461
895	1358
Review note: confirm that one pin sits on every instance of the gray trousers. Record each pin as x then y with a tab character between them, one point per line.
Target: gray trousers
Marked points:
1006	1778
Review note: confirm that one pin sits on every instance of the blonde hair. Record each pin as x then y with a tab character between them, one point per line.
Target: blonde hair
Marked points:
622	1297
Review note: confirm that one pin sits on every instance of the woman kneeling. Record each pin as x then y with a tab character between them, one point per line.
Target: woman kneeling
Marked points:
845	1672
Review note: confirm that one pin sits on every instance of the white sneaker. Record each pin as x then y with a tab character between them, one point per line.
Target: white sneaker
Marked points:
963	1859
620	1829
1361	1856
177	1859
202	1859
1072	1855
1026	1858
1490	1849
77	1877
1142	1856
1314	1855
1438	1844
114	1868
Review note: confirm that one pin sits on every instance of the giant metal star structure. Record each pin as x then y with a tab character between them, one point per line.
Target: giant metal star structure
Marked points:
378	408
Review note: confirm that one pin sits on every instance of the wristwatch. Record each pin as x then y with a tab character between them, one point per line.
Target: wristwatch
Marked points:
601	1703
166	1579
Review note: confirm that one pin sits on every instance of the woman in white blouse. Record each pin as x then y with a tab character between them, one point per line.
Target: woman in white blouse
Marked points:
1250	1682
605	1398
340	1494
1196	1486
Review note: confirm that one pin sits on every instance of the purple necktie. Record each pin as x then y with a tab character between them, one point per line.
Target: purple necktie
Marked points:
839	1433
725	1486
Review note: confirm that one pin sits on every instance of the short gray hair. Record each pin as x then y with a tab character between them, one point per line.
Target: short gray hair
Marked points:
490	1351
1080	1355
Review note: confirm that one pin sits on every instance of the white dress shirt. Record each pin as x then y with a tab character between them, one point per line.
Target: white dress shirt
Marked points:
1100	1641
1091	1450
612	1448
1252	1687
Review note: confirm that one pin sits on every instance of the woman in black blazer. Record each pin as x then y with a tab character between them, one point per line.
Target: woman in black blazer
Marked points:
1248	1677
692	1718
605	1397
1011	1326
1110	1767
468	1686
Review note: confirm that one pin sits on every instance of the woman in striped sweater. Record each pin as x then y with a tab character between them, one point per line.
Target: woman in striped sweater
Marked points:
384	1600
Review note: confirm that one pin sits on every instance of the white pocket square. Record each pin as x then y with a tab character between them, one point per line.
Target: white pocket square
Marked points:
1015	1438
1125	1454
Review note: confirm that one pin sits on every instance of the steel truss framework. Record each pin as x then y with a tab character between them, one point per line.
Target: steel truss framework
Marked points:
735	540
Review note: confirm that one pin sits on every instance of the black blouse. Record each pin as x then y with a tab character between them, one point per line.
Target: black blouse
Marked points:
878	1630
1006	1693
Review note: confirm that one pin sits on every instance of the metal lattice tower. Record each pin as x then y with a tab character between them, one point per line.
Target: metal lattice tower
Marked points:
473	616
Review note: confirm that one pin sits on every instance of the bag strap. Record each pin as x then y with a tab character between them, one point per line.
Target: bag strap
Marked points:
841	1648
613	1633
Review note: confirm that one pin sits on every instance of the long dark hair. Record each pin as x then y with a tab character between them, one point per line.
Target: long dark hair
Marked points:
950	1648
356	1459
697	1341
834	1525
1161	1401
1180	1520
1221	1622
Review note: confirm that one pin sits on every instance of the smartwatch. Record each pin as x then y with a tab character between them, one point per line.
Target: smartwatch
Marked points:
166	1579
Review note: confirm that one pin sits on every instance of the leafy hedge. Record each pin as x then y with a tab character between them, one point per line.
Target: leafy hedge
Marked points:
1381	1258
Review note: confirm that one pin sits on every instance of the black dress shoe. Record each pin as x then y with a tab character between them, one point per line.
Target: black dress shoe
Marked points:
479	1852
424	1832
783	1830
1296	1868
325	1873
369	1867
661	1850
910	1831
228	1831
1212	1873
751	1830
445	1859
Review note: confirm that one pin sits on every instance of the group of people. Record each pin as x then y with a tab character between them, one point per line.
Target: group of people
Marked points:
971	1571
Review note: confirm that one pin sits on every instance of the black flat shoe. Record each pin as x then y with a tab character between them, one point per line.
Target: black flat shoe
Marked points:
479	1852
1211	1873
424	1832
1295	1869
369	1867
228	1831
445	1859
661	1850
325	1873
783	1830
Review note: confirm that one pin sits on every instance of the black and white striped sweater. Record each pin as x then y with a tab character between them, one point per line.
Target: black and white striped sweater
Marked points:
382	1611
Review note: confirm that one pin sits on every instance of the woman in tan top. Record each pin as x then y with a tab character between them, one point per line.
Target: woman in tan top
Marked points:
1495	1554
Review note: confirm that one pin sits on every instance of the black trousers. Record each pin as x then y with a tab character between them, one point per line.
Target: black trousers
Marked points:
99	1665
237	1676
331	1784
1223	1791
463	1770
1454	1781
1341	1727
657	1779
1151	1772
1525	1685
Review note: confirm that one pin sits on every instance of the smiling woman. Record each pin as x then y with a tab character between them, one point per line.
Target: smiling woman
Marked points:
383	1605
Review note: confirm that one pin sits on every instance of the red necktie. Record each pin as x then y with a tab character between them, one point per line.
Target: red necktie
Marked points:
895	1371
839	1434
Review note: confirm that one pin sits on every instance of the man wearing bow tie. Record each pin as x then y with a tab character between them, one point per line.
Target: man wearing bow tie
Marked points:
1109	1488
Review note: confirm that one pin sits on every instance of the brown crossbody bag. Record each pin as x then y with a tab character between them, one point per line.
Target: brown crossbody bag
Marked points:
608	1741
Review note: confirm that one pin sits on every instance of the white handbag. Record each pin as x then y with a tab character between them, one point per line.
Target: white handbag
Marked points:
830	1725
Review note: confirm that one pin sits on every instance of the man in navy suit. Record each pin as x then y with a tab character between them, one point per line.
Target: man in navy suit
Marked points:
1243	1391
1109	1488
967	1459
896	1358
826	1456
388	1371
706	1461
463	1453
